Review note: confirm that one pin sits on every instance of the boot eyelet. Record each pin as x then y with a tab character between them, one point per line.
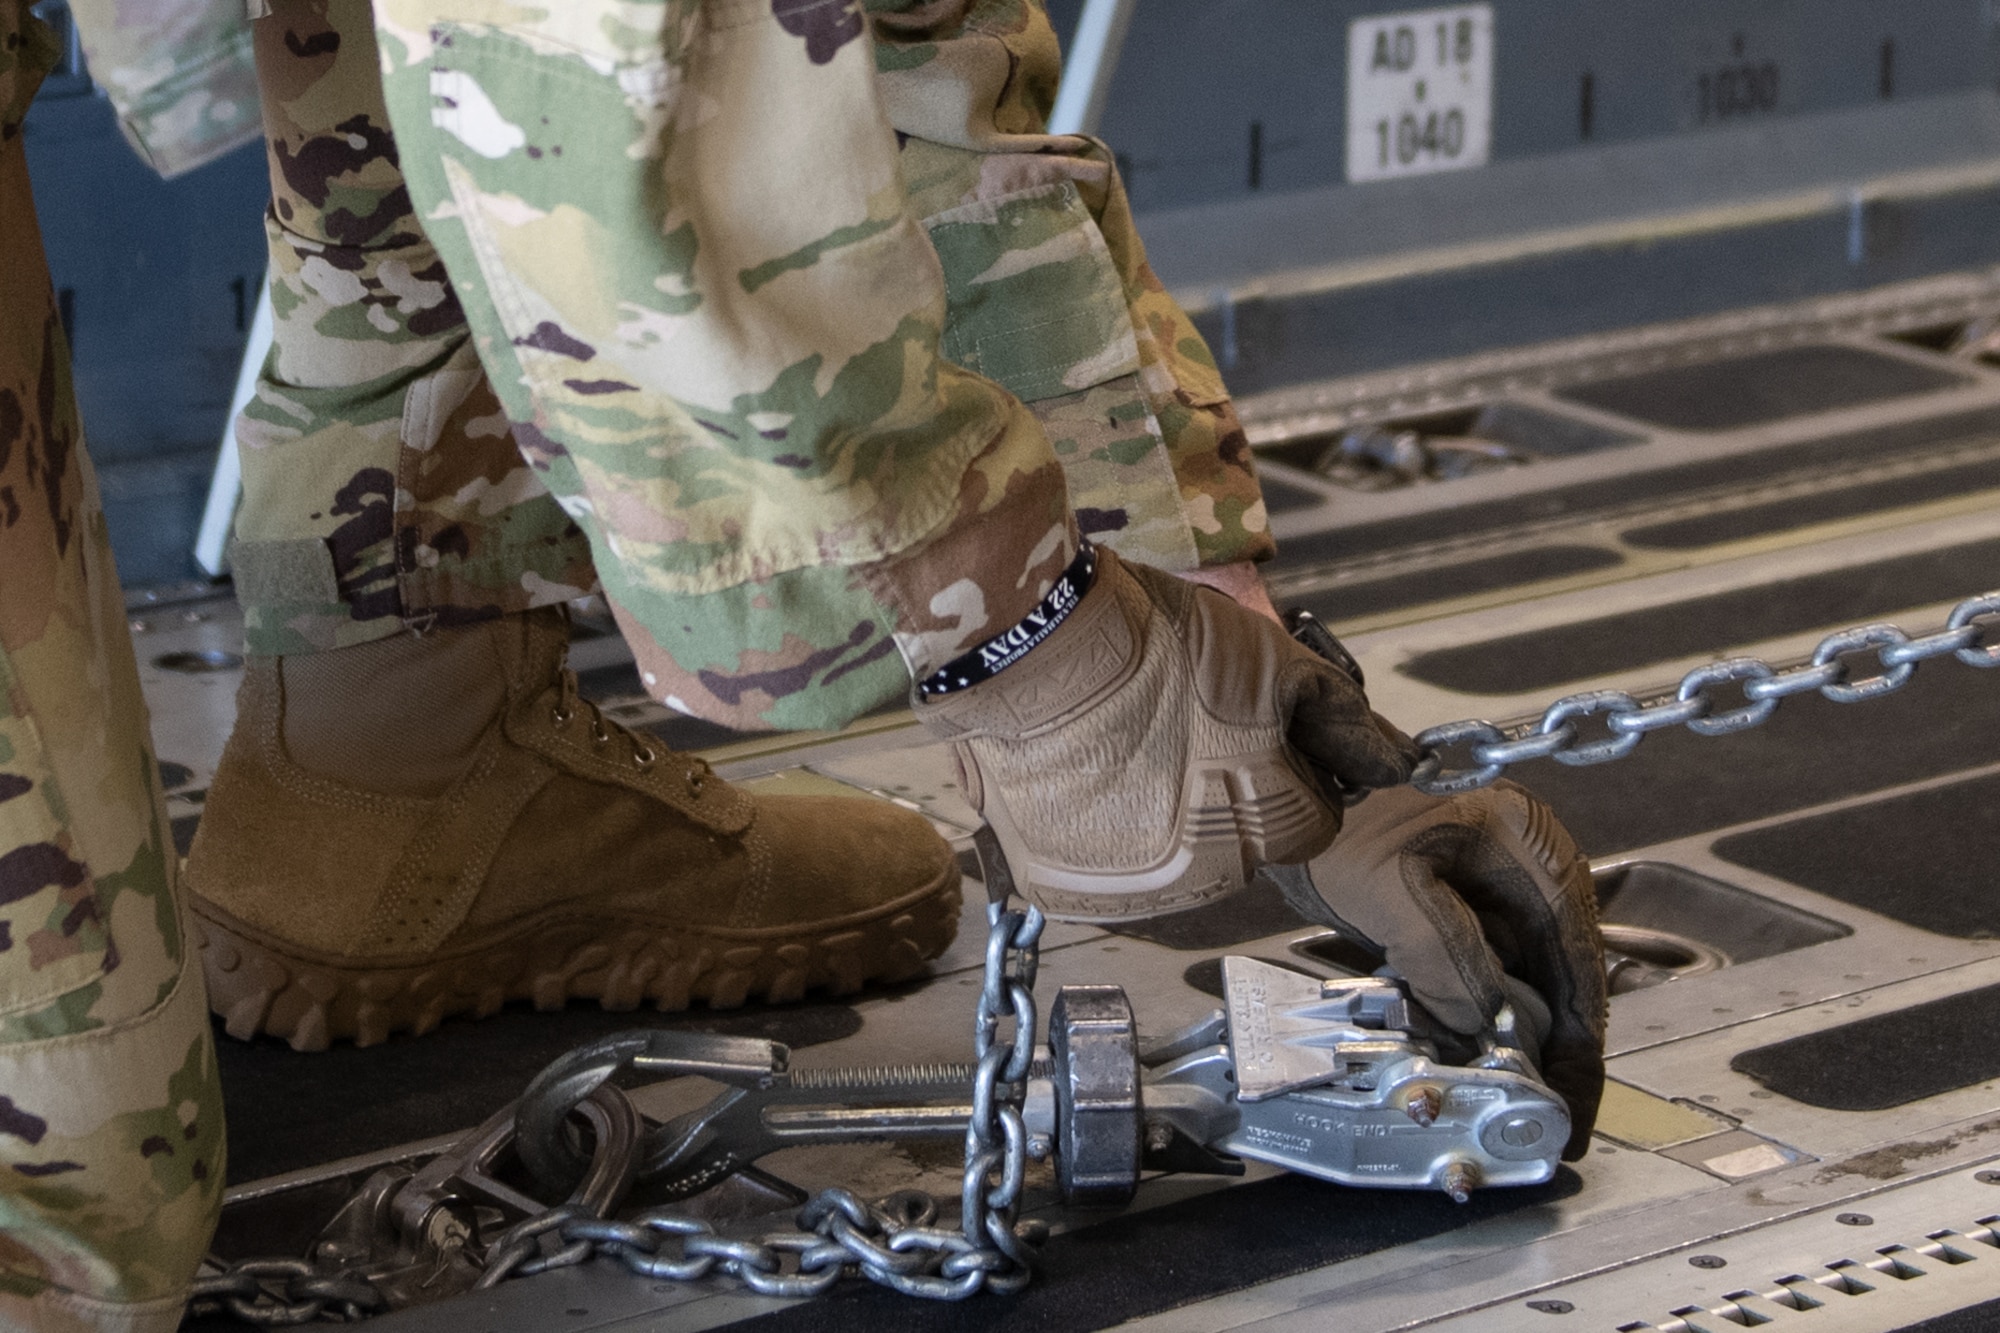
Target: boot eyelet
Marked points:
561	716
599	733
644	757
694	784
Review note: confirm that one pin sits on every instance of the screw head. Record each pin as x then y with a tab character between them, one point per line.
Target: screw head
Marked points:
1523	1131
1424	1105
1854	1220
1709	1261
447	1227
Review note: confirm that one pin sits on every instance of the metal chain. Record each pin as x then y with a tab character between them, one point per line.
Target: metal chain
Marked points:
996	1138
278	1293
1629	719
892	1242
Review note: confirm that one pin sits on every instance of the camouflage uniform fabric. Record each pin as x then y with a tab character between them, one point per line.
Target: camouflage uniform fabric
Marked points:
1049	290
731	392
713	326
382	485
177	72
111	1139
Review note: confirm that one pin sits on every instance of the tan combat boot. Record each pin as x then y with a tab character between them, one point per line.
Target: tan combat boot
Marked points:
1160	743
416	828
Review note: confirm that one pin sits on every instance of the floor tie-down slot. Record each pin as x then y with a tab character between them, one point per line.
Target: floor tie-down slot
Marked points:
1660	922
1864	1278
1445	446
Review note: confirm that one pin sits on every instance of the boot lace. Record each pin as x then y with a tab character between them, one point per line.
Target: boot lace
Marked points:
604	731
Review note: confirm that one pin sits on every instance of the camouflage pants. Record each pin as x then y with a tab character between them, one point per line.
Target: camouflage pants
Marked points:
111	1137
706	338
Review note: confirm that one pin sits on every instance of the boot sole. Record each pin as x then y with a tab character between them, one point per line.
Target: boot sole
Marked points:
260	984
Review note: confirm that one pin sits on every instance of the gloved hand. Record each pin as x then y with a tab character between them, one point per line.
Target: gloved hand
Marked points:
1465	895
1158	746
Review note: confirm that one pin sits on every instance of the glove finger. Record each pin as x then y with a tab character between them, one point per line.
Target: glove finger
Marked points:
1573	1068
1530	886
1425	931
1531	1019
1331	725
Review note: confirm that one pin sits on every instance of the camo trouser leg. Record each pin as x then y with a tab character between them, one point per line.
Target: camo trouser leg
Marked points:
382	487
111	1144
1050	292
680	245
762	583
739	418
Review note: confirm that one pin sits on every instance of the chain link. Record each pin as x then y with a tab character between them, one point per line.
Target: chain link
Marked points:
281	1293
996	1138
1494	749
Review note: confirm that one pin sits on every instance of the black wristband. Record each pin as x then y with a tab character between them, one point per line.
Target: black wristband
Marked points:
1003	650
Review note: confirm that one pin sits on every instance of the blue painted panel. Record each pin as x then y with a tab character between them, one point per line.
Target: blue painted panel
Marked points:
1197	74
157	280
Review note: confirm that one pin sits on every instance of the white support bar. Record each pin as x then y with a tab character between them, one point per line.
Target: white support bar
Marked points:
1093	59
225	487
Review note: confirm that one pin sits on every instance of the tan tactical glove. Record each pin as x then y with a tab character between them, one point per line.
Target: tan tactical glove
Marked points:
1463	895
1158	746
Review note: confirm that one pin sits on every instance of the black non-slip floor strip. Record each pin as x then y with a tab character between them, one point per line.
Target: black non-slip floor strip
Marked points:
1924	859
1981	1318
1144	1263
1546	658
1946	720
1766	386
288	1110
1807	457
1791	514
1511	570
1887	1059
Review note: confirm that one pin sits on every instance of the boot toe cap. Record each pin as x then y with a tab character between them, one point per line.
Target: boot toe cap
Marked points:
835	857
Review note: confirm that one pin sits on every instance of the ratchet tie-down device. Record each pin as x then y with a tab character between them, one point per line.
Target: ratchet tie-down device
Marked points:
1331	1078
1328	1078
